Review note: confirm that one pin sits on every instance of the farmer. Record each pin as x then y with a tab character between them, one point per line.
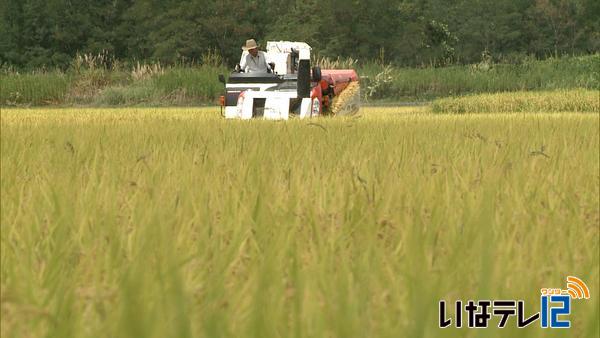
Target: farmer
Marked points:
253	60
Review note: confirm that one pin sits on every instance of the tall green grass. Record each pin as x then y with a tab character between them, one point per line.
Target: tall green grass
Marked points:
200	84
176	223
143	93
172	86
429	83
43	88
192	85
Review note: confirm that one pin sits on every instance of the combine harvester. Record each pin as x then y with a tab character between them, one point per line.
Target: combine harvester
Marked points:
291	90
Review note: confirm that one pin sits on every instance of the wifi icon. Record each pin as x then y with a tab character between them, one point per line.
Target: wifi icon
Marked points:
577	288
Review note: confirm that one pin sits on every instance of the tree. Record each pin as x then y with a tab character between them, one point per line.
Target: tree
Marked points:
559	17
38	33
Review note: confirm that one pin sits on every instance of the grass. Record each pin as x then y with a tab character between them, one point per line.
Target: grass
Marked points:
155	85
103	87
175	223
429	83
34	89
127	95
197	85
581	100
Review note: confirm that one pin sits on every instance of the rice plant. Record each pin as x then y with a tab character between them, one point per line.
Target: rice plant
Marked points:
157	222
583	101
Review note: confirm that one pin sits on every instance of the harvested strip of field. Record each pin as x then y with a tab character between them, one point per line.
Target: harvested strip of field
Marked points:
177	223
580	100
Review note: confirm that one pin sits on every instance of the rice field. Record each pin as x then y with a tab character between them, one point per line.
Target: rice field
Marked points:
557	101
172	222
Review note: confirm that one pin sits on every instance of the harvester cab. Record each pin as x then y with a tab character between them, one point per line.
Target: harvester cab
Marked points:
291	89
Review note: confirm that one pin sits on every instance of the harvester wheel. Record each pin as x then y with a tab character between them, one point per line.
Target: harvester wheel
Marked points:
348	101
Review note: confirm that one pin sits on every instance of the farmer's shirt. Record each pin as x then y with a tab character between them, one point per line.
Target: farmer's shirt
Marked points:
251	64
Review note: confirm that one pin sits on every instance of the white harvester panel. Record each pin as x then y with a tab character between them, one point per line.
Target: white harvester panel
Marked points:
277	108
277	105
280	53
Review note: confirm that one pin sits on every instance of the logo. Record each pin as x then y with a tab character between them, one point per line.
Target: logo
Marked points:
577	289
555	307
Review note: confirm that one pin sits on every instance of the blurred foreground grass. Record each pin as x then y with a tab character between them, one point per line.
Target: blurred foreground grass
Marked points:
176	223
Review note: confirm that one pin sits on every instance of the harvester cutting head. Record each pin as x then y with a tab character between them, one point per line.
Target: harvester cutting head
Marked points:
292	89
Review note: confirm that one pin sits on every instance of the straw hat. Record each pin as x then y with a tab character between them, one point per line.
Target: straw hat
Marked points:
250	44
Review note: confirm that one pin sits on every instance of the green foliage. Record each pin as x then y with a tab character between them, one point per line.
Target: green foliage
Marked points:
439	43
49	33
